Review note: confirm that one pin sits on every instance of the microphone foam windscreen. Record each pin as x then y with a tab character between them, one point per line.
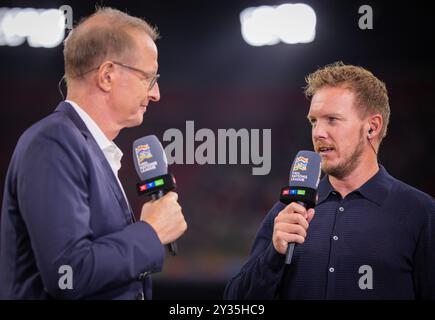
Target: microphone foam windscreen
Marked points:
149	157
305	171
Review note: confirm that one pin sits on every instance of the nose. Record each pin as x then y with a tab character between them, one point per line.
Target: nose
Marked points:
319	131
154	93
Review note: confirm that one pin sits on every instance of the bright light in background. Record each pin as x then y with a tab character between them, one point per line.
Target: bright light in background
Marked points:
288	23
40	27
258	26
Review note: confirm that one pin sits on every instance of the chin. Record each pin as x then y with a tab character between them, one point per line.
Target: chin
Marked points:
325	164
329	167
134	123
139	122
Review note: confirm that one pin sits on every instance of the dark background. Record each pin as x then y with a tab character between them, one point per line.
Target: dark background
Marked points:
210	75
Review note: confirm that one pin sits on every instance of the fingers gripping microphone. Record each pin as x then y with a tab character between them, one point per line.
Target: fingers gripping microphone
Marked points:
303	182
152	167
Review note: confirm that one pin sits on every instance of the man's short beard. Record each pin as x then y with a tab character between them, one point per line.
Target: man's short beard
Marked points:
348	165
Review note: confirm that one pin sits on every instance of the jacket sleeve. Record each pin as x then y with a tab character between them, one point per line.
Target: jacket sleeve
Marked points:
53	199
260	277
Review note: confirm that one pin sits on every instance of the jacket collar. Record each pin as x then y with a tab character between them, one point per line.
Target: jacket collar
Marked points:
78	122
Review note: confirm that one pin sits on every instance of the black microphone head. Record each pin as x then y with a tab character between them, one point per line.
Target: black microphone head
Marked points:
149	158
305	171
303	181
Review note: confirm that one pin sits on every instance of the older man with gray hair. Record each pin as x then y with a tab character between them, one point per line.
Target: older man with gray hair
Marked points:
67	229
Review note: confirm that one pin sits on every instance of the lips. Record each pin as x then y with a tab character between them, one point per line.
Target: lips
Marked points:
324	150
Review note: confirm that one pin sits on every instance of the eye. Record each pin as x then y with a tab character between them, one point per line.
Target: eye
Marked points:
332	119
312	122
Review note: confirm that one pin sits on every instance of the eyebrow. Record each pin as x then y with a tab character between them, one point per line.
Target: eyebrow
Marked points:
335	115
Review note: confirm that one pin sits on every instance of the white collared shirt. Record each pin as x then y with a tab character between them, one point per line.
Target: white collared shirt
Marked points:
110	150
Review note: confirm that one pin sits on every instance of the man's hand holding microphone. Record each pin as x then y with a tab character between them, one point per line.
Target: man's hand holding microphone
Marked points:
163	212
291	224
165	216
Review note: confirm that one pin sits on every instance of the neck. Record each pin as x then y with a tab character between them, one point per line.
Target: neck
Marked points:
95	107
366	169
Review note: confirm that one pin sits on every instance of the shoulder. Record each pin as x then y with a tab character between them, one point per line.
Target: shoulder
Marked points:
54	130
55	125
409	198
53	139
403	190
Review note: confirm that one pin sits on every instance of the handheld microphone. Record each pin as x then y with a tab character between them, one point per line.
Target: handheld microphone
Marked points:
152	168
303	182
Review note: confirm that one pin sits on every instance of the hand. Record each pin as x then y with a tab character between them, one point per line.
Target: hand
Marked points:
291	225
165	216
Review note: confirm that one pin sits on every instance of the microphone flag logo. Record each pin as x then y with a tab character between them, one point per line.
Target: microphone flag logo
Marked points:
300	164
143	152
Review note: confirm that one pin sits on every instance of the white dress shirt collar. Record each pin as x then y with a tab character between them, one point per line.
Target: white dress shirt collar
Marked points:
111	151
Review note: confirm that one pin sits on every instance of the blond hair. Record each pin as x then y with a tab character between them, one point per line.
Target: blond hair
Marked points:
88	44
370	92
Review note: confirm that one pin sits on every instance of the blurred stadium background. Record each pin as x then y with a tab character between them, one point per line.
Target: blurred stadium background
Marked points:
210	75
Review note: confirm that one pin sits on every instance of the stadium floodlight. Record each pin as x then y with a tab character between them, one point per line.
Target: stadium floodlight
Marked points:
287	23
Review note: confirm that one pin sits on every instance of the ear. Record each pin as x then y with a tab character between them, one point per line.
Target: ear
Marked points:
375	123
105	76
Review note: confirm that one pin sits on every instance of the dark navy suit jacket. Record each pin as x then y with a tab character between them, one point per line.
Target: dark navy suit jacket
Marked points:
62	205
